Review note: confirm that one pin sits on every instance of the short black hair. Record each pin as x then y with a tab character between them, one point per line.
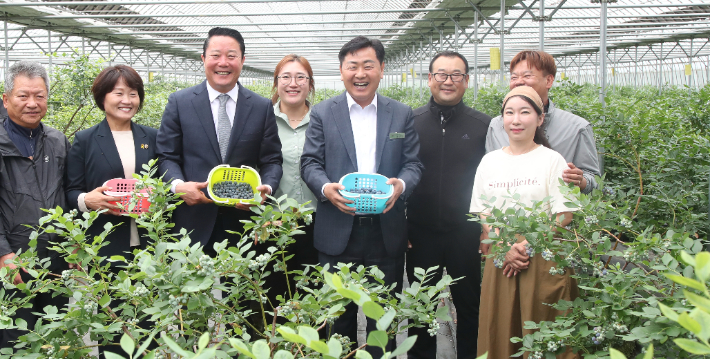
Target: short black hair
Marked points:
223	31
362	42
448	54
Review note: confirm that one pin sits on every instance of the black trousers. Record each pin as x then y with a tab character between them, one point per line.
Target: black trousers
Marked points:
8	337
457	251
366	247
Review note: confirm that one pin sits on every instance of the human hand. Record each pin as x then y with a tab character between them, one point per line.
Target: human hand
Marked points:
97	200
331	192
17	280
484	249
398	189
575	176
516	260
191	193
263	190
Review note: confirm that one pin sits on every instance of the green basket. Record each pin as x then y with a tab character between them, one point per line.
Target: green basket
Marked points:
223	173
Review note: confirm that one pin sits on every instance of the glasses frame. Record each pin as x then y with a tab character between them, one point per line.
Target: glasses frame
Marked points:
435	74
292	78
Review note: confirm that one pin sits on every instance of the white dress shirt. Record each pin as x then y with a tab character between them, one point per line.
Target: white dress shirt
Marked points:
363	121
364	124
214	104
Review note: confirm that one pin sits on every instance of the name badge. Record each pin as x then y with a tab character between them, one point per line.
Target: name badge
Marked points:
394	135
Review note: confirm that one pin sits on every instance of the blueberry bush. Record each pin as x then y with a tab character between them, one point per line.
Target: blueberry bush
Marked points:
172	285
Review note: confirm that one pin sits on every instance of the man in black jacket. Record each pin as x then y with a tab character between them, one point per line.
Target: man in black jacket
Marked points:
453	138
33	157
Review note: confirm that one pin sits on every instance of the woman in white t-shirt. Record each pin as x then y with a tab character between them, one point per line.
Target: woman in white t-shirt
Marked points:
521	290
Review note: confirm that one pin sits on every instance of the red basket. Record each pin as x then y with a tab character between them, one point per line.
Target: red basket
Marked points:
124	188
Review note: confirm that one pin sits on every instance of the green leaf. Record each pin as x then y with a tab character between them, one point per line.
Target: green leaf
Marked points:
289	335
319	346
689	323
204	340
282	354
373	310
668	312
404	347
384	322
104	300
484	356
145	344
109	355
687	258
692	283
649	352
240	347
334	348
128	345
702	267
692	346
362	354
443	313
377	338
615	354
347	293
176	347
261	350
699	301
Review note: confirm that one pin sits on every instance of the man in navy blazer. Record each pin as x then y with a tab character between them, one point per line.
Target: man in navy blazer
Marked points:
194	137
361	131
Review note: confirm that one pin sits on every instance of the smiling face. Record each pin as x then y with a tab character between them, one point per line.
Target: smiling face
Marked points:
293	94
520	120
223	61
524	75
361	74
122	103
448	93
27	103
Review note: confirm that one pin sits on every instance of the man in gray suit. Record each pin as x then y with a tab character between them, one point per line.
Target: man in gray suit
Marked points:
361	131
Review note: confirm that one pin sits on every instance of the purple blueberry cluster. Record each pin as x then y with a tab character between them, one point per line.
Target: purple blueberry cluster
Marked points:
233	189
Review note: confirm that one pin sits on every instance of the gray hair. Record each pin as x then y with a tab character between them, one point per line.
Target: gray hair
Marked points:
28	69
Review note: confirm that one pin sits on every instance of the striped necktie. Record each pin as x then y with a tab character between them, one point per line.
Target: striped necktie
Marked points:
224	128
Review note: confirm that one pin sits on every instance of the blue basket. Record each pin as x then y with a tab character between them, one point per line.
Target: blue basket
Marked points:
366	203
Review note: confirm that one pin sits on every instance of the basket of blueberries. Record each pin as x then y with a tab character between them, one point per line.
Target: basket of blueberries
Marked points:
228	186
368	191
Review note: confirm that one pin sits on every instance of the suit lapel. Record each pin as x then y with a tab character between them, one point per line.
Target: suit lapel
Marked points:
201	103
241	117
104	139
140	141
384	122
341	114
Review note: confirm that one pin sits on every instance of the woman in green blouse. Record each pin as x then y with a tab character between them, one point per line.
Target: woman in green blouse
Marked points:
293	83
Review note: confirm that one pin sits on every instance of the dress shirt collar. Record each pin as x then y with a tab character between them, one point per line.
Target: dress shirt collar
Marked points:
352	102
213	94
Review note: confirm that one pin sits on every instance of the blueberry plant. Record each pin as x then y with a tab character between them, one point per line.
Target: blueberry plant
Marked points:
172	285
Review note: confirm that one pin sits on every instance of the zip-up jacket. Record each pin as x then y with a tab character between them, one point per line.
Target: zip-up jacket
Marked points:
451	147
28	185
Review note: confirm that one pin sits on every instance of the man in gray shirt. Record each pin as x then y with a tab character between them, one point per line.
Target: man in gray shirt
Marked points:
568	134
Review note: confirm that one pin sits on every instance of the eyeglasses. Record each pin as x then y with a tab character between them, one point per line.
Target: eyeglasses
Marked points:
300	79
442	77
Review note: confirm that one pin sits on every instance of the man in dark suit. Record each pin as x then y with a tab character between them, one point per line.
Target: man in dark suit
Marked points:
361	131
217	122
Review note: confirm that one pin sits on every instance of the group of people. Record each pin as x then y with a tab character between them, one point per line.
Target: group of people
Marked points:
439	158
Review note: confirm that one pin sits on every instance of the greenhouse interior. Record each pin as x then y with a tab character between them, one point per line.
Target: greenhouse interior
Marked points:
633	75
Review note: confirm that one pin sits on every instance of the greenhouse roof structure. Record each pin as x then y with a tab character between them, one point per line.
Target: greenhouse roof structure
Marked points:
155	34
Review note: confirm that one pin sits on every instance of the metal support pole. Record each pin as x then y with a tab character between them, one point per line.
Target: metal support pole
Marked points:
49	48
475	56
602	53
636	66
7	58
690	62
421	67
660	71
456	36
542	25
441	41
502	41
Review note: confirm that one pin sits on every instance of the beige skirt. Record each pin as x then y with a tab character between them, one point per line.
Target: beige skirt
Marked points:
507	303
